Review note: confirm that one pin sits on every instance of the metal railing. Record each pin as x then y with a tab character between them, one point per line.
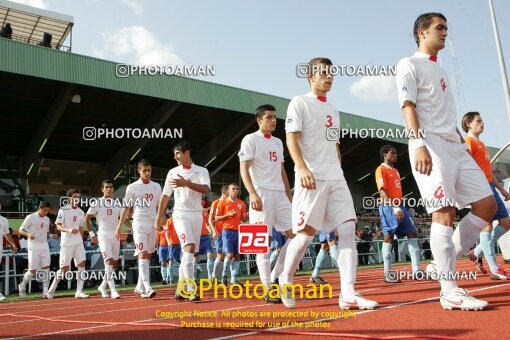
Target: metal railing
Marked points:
30	41
9	257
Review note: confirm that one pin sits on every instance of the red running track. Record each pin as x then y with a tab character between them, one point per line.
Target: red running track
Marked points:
409	309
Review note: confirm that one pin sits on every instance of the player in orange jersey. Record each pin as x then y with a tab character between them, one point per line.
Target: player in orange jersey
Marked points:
231	212
395	219
163	254
217	228
205	244
174	249
472	123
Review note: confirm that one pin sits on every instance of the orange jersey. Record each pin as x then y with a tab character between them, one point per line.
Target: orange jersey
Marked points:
481	155
213	211
225	207
205	217
388	179
174	239
162	238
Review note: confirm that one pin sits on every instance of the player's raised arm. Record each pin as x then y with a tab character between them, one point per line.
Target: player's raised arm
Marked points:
180	182
221	210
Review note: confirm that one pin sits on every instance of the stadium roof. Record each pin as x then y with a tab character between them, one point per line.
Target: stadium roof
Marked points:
29	23
41	121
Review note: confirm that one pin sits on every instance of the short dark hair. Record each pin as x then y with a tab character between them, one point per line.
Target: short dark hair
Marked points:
182	146
468	118
259	113
385	149
423	22
317	61
44	204
224	189
233	184
72	191
143	162
106	181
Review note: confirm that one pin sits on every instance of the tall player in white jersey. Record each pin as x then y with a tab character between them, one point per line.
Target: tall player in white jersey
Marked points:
70	223
263	174
187	182
35	228
321	197
445	172
143	196
107	213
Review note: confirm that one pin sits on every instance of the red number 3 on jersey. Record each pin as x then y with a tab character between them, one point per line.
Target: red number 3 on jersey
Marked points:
301	218
330	121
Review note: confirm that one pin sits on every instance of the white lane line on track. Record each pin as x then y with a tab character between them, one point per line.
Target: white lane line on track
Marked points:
133	322
300	278
83	314
357	313
69	300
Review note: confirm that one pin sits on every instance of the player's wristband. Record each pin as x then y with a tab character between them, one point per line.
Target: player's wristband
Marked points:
92	234
417	143
396	210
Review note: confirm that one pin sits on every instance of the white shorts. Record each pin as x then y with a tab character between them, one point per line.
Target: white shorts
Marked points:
110	247
455	179
67	253
276	210
144	236
188	226
38	259
325	208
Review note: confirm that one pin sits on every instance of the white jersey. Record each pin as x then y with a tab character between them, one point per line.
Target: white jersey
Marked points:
4	230
107	214
144	198
185	198
312	117
39	226
424	83
266	156
70	218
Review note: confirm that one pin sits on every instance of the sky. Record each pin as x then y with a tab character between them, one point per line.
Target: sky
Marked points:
257	45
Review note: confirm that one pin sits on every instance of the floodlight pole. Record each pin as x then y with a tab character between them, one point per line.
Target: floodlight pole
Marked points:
500	59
